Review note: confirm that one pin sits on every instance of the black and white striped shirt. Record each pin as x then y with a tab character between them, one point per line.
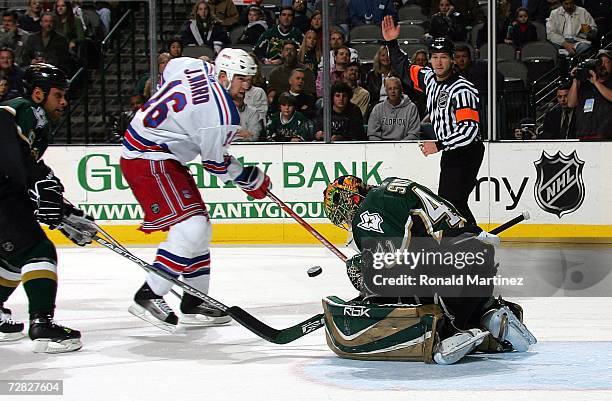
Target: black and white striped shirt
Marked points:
452	104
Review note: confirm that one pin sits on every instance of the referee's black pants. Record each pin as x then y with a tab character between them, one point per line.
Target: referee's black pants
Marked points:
458	170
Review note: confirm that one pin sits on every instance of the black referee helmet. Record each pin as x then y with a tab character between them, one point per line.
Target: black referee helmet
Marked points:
442	45
44	76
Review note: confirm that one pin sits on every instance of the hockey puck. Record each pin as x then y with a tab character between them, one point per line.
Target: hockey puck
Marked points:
314	271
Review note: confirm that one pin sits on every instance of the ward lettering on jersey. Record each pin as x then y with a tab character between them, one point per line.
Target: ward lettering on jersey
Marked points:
190	115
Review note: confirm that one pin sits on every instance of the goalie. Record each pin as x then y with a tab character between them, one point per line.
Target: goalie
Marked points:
403	215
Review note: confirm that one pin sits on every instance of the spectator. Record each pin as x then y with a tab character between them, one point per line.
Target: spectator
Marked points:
571	27
419	58
337	39
300	19
503	21
526	131
175	47
346	119
310	51
30	21
522	31
361	97
225	11
278	81
66	24
250	121
470	9
370	12
395	119
269	16
258	79
102	8
270	45
11	35
560	121
447	22
256	98
342	57
3	89
338	13
463	62
255	27
316	24
46	46
162	61
120	123
600	10
538	10
305	102
11	73
376	77
204	29
593	100
288	125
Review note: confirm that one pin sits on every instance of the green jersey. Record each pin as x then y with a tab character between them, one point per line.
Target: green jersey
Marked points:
298	126
399	209
270	44
32	124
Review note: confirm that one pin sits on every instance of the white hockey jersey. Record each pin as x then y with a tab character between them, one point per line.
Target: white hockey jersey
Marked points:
190	115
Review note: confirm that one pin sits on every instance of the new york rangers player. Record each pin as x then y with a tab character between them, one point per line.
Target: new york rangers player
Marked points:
191	114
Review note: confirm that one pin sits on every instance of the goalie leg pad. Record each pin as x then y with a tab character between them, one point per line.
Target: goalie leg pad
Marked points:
505	326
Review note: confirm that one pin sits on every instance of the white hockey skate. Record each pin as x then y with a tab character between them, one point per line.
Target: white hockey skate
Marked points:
10	330
505	326
452	349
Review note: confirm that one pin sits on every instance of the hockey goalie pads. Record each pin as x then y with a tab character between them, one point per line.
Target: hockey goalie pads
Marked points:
396	332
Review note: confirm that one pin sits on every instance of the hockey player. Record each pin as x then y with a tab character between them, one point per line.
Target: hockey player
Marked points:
395	213
26	254
191	114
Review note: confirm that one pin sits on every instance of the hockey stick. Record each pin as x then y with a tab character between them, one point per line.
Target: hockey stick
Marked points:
510	223
307	226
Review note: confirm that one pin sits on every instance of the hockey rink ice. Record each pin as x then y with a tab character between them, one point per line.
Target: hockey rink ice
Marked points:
124	358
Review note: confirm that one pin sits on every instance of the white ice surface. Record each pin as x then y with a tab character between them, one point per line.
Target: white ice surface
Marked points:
124	358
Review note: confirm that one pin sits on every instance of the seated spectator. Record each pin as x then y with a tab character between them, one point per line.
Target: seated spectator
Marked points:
30	21
120	121
162	61
310	51
395	119
447	22
256	98
526	131
593	100
346	118
304	102
46	46
571	27
11	35
255	28
102	8
370	12
560	121
420	58
538	10
288	125
300	19
204	29
522	31
316	24
338	13
3	89
175	47
337	39
376	77
463	62
224	11
66	24
502	22
269	16
342	57
278	81
250	120
270	44
600	10
361	97
470	9
11	73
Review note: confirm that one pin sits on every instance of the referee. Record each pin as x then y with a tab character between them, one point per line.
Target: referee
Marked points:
452	103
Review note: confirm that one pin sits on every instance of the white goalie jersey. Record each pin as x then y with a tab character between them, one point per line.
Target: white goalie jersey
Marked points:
190	115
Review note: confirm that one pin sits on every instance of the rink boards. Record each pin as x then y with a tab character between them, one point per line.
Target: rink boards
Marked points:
565	186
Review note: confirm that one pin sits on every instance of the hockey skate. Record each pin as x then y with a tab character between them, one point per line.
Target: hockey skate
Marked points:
453	348
9	329
153	309
506	327
52	338
195	313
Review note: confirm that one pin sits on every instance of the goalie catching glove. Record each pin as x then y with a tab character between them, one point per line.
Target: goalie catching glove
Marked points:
46	197
77	226
253	181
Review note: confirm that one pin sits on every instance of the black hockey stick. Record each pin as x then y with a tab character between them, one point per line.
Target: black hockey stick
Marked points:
510	223
244	318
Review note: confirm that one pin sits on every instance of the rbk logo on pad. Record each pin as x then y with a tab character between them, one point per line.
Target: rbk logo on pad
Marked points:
559	187
370	222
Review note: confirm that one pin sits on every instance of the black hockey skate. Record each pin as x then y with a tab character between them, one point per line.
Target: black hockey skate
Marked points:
50	337
152	308
9	329
196	313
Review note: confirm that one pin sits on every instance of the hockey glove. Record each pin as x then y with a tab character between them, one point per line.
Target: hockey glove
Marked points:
489	238
46	197
253	181
354	271
78	227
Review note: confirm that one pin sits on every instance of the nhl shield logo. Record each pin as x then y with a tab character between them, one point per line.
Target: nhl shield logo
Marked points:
559	187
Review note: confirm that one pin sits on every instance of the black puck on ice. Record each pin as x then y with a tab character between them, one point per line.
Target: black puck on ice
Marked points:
314	271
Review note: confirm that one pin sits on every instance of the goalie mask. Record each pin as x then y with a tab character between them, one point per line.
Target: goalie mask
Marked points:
341	199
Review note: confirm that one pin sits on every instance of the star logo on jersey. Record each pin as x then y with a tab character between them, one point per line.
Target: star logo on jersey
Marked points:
40	116
443	100
370	222
559	187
